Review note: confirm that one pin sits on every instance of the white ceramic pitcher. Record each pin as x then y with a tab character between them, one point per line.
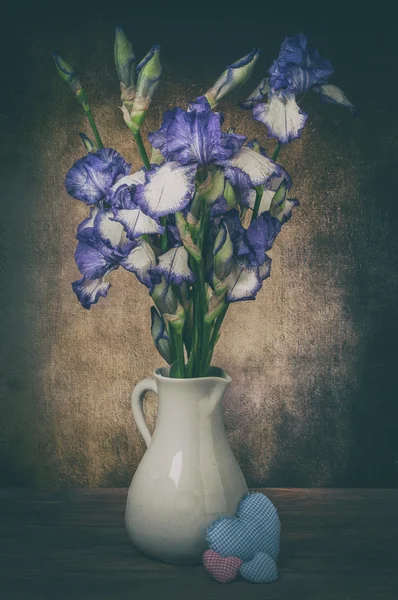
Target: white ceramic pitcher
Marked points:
189	475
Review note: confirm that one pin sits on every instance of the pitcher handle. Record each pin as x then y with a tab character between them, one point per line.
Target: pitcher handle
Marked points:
137	402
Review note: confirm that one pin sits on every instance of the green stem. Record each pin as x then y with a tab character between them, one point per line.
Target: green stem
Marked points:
141	149
214	335
190	371
178	344
163	237
90	118
207	327
204	332
259	195
170	333
276	151
187	333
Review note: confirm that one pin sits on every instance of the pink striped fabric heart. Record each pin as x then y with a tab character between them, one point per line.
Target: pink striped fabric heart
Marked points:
222	569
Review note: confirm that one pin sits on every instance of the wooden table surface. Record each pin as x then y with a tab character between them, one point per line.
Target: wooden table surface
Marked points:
337	544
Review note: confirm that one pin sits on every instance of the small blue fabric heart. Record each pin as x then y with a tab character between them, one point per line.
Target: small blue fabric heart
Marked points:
256	528
261	569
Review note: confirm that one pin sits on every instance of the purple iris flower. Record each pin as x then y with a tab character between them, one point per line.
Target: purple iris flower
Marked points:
190	139
194	136
252	243
92	176
297	69
260	237
102	247
250	263
121	197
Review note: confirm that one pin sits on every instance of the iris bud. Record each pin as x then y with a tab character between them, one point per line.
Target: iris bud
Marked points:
88	144
223	253
125	60
177	319
159	335
230	196
216	306
257	95
186	237
234	76
213	187
164	298
149	71
278	201
68	74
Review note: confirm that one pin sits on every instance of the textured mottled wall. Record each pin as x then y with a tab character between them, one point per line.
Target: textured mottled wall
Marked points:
313	400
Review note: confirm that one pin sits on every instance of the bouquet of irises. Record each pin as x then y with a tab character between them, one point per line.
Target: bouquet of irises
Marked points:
195	222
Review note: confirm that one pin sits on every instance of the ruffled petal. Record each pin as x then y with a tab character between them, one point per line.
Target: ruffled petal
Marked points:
136	222
264	270
282	117
274	182
258	94
259	168
140	260
158	138
331	94
280	207
194	137
242	185
232	142
168	189
272	186
286	212
107	230
201	104
86	227
173	235
90	178
121	194
301	79
219	207
237	232
173	265
243	283
136	178
298	67
121	197
266	200
93	262
89	291
261	235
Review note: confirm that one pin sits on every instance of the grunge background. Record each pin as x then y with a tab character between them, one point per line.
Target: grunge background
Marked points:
313	359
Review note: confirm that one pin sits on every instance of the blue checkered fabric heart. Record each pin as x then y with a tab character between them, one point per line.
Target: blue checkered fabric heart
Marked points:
261	569
256	528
